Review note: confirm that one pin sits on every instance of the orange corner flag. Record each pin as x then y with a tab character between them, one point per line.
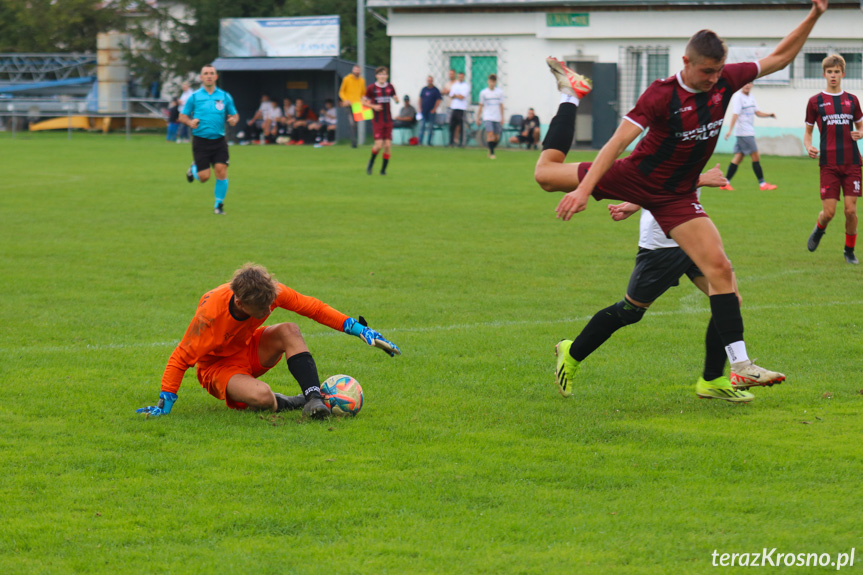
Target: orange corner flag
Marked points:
361	112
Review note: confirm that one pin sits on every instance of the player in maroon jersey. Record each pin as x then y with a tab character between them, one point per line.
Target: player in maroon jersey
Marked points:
684	115
834	110
378	97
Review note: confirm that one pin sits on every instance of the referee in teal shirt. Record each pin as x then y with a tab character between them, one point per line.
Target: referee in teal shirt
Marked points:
206	112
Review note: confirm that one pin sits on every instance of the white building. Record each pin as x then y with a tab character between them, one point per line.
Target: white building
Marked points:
623	45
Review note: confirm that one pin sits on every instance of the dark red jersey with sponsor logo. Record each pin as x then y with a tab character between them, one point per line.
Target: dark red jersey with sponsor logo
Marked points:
381	95
683	127
835	115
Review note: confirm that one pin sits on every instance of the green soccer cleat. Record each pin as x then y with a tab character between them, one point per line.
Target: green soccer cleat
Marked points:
564	373
721	388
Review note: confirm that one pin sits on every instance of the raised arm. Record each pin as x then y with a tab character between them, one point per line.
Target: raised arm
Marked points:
790	46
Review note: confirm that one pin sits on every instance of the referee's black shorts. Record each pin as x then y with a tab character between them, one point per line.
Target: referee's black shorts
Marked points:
208	152
656	271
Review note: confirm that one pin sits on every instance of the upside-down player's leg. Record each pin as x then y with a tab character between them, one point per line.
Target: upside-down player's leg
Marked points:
552	173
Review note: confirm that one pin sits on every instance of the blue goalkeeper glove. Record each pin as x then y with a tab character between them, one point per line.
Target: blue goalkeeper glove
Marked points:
166	402
361	329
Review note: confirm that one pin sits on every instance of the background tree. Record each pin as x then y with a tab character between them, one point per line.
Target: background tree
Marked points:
56	25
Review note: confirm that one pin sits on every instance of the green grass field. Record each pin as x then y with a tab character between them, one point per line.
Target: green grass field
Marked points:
464	459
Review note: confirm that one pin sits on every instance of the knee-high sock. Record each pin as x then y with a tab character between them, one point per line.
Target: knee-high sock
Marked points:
597	331
756	167
729	323
195	172
221	191
732	169
302	366
561	130
714	353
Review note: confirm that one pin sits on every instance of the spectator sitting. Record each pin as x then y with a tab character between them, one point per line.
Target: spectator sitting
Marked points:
326	125
528	132
264	122
286	121
407	117
303	117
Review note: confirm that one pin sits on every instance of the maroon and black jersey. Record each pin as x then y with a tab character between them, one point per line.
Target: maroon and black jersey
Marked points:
835	114
381	95
683	127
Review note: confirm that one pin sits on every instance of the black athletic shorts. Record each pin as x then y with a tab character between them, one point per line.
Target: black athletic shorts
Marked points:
658	270
206	152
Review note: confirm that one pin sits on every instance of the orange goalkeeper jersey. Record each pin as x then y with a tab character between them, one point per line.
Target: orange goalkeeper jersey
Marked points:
215	334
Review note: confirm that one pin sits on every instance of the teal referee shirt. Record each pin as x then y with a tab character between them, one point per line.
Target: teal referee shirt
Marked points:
212	110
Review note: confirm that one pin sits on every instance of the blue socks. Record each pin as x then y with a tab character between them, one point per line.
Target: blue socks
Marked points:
221	191
195	172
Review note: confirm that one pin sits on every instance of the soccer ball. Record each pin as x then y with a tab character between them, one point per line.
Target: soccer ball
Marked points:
342	394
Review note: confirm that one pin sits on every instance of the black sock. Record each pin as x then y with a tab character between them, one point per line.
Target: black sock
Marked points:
726	317
331	135
385	161
372	159
756	167
732	169
597	331
491	146
561	131
304	370
714	356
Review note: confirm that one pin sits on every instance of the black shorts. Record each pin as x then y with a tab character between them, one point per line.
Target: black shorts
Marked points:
658	270
206	152
456	117
525	139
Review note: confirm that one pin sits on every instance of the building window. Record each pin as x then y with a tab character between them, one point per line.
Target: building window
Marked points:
476	69
808	73
642	65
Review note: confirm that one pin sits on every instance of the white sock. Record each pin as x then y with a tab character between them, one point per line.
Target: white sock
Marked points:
736	352
567	99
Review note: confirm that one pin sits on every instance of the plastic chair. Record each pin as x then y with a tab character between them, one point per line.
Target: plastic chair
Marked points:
440	124
514	127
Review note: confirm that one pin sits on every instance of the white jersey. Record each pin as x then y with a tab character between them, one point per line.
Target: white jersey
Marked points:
459	89
744	106
184	97
650	235
491	101
270	111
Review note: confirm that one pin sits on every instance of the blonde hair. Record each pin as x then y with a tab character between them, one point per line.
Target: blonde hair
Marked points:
833	61
253	285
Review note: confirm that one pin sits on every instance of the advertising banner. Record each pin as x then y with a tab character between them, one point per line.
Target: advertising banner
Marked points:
279	37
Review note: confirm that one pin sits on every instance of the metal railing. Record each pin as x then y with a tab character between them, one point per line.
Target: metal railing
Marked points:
17	114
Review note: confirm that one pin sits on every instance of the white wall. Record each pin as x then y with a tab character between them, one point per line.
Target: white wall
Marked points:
526	42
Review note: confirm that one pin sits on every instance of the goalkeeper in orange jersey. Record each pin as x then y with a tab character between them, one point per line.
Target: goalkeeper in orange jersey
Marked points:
231	348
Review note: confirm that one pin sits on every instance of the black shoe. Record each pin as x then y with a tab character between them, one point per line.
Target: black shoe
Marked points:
315	408
383	173
219	210
850	258
189	176
815	239
369	170
289	402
